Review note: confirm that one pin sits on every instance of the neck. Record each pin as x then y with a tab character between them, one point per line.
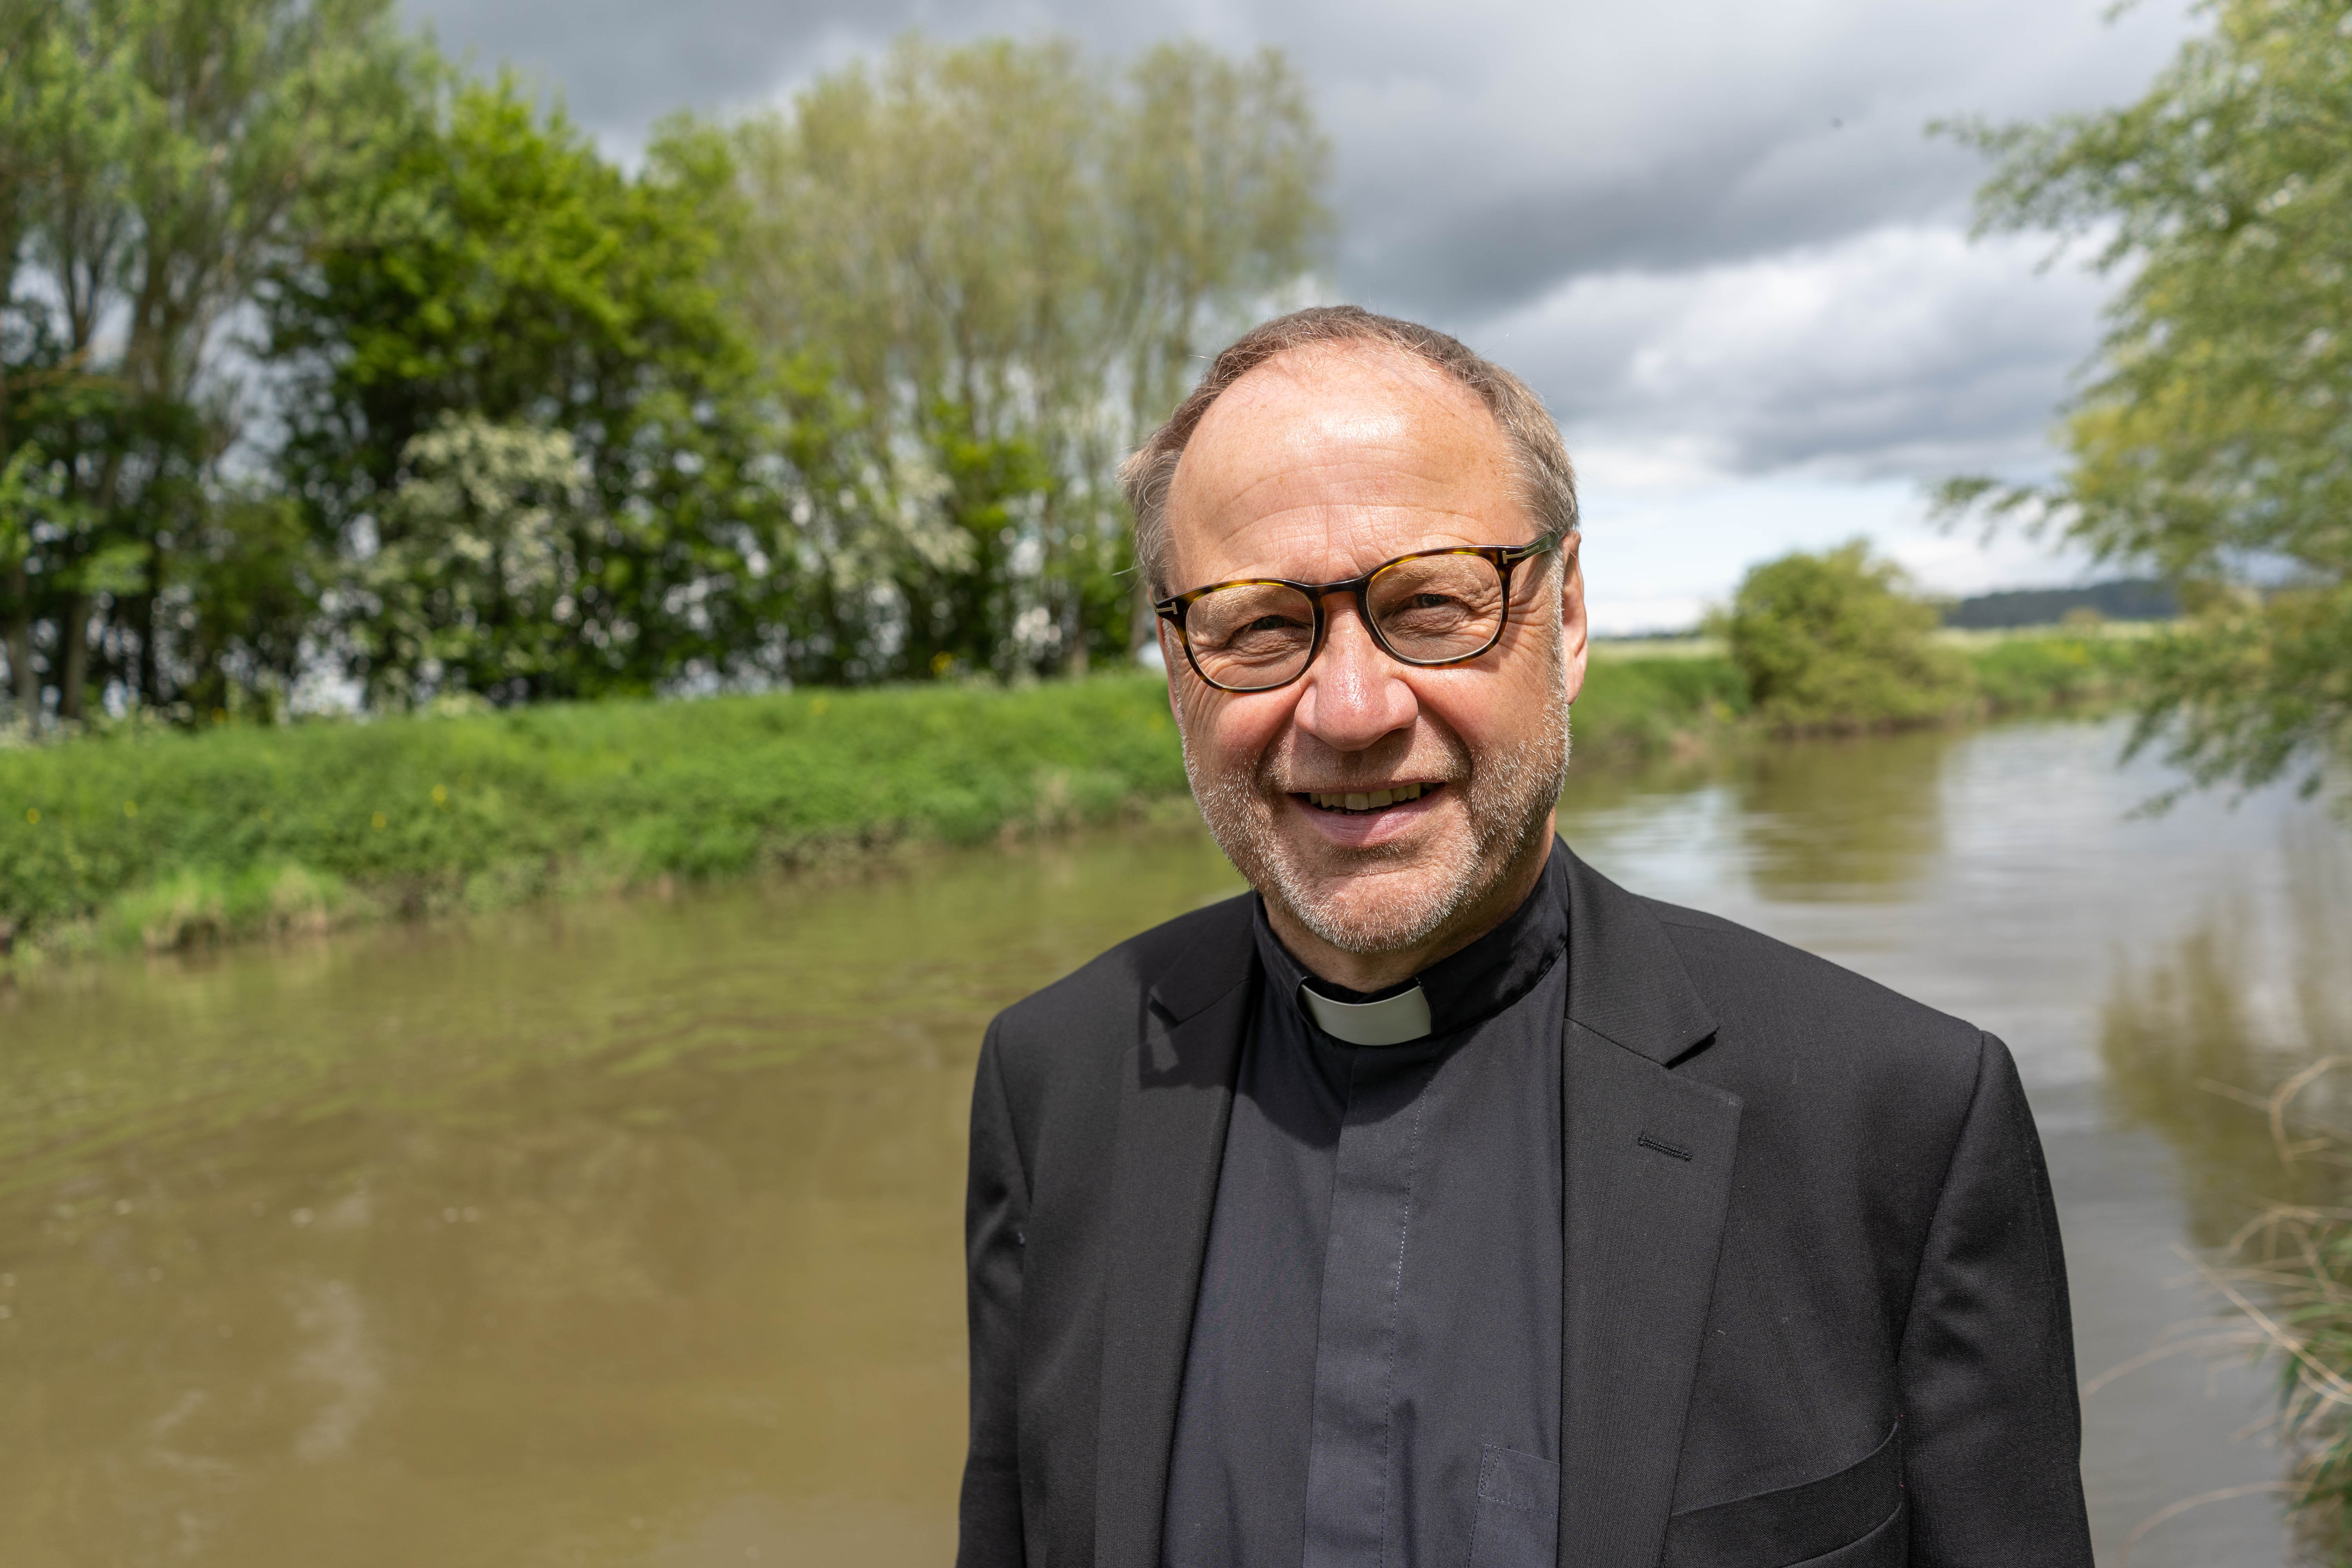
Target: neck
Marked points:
1377	971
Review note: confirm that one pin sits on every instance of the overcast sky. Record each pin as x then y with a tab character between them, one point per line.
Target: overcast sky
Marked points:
1713	234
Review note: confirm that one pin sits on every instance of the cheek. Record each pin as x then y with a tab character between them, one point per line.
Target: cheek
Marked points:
1224	729
1482	710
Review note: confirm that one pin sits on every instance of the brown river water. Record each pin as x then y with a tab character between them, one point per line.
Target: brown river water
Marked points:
627	1233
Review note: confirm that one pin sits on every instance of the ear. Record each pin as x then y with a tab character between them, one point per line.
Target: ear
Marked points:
1575	632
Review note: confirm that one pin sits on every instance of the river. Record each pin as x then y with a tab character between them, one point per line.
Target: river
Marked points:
626	1233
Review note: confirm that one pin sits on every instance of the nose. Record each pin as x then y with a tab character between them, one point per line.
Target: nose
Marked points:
1353	693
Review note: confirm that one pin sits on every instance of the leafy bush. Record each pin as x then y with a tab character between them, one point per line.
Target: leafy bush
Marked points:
2039	674
1636	707
1833	641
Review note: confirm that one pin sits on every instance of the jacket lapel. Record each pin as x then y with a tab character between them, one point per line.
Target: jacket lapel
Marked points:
1175	1102
1646	1171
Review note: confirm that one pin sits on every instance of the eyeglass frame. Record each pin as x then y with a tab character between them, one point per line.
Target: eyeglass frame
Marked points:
1505	558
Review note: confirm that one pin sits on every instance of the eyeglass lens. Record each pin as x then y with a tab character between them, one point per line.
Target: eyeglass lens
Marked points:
1425	609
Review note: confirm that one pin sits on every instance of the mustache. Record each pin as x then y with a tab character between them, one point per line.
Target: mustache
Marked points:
1282	774
1337	781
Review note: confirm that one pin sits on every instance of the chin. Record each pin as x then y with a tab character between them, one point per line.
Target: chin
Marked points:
1386	899
1385	918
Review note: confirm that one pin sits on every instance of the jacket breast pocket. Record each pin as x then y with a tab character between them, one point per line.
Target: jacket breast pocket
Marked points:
1851	1518
1517	1520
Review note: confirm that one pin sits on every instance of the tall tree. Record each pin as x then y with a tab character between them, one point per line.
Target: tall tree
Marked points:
1010	255
163	149
1216	171
2212	437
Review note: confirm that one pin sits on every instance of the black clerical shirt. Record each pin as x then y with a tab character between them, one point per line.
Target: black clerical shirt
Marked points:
1374	1371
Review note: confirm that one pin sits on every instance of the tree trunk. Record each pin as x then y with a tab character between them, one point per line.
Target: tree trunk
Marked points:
143	619
26	685
20	648
74	678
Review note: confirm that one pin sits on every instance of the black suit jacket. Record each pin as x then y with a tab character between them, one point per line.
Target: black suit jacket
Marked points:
1814	1307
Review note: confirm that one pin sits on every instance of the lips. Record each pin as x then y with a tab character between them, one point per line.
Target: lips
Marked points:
1360	803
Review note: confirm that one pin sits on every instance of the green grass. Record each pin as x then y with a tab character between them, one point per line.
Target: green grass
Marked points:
1632	707
2045	674
158	838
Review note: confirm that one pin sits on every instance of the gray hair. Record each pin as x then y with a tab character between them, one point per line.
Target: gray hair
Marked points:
1543	476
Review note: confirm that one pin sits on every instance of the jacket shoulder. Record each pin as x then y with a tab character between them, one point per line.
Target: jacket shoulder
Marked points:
1098	1009
1808	1041
1741	969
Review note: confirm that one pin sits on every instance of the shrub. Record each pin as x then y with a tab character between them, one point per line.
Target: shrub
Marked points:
1632	707
1834	641
2038	674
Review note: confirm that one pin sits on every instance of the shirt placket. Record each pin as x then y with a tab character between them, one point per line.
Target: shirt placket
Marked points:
1349	1461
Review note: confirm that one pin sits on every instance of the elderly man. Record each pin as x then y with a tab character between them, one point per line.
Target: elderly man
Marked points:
1440	1201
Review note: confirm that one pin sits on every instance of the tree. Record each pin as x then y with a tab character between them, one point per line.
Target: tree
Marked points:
156	153
1216	174
1010	258
2213	436
830	395
1833	641
476	587
496	272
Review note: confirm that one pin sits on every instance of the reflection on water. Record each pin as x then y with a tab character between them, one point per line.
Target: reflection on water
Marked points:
628	1234
2230	1042
1844	821
2199	1039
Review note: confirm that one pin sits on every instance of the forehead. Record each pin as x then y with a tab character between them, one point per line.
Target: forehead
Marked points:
1329	460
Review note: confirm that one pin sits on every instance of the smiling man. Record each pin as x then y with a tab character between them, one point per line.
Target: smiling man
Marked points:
1440	1201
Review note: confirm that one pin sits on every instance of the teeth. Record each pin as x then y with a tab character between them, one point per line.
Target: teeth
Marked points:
1340	800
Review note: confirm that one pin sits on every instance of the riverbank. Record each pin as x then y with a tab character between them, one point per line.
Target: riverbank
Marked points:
160	839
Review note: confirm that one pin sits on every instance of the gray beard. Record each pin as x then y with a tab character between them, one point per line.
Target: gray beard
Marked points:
1508	795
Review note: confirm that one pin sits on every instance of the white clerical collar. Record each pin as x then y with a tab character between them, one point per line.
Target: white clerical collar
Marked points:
1392	1021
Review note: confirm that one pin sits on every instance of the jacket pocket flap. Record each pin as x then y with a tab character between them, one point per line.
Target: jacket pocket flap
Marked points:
1517	1522
1795	1522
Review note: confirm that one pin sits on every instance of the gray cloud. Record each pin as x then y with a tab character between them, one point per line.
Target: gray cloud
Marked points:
1901	351
622	64
1594	192
1537	143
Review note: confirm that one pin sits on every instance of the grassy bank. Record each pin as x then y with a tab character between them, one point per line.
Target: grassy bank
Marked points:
163	839
2020	674
158	838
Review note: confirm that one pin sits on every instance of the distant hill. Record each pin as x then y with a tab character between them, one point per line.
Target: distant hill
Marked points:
2125	599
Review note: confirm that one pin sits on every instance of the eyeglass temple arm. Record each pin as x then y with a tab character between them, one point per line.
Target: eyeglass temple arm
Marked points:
1544	545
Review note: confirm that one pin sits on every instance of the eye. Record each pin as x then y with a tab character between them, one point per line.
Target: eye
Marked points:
1424	608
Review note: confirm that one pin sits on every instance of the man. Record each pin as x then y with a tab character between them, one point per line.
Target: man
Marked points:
1440	1201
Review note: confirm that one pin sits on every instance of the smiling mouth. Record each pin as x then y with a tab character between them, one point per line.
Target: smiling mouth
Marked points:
1364	803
